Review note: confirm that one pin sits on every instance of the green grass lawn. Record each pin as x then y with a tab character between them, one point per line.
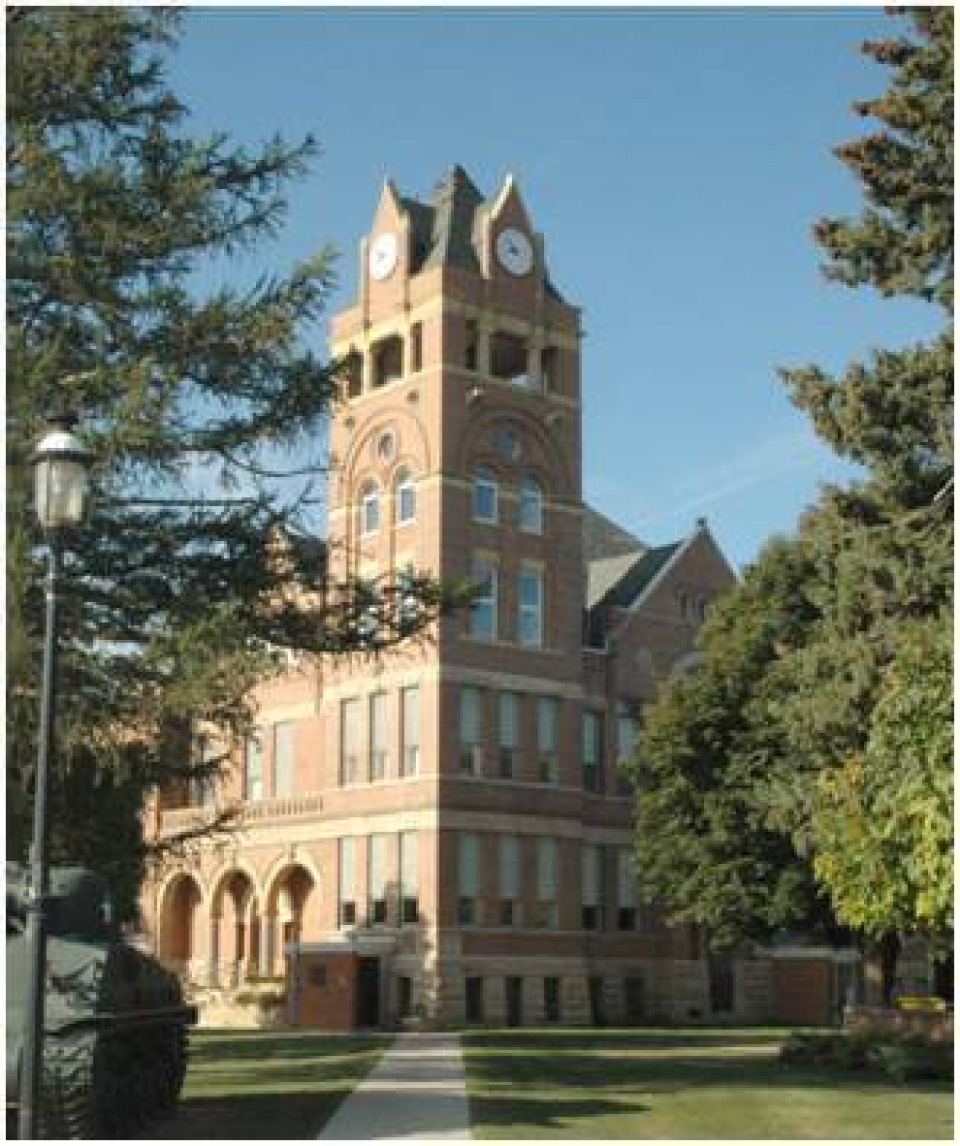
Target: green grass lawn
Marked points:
681	1084
267	1084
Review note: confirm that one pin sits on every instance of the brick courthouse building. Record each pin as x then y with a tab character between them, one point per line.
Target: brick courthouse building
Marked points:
443	833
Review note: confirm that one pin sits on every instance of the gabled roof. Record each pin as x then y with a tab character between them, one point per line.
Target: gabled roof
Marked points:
604	574
641	573
604	538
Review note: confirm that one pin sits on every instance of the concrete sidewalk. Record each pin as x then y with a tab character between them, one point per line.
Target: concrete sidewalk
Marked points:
416	1091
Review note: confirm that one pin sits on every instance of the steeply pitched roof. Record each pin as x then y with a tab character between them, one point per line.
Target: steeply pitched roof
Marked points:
603	574
641	573
455	205
446	231
604	538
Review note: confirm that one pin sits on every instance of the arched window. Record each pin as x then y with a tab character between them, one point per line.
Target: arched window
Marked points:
405	497
484	495
531	505
369	508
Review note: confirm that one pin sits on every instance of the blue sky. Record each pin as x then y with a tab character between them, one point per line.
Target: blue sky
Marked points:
675	160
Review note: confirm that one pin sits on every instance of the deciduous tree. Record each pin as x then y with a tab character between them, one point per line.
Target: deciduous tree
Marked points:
831	713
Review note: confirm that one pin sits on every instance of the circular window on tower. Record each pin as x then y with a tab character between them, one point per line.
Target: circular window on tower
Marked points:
507	442
386	446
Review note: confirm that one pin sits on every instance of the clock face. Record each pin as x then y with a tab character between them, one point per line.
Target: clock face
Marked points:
383	255
514	251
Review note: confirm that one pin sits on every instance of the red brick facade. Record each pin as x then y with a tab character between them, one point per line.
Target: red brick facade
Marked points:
486	847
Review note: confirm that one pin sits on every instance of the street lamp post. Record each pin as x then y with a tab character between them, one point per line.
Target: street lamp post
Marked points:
60	465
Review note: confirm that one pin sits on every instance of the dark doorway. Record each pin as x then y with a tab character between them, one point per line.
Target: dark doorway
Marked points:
474	998
943	977
633	999
368	991
514	1001
596	1001
721	984
406	997
551	999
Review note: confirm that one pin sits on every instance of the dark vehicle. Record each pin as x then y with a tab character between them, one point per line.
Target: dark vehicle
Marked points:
115	1043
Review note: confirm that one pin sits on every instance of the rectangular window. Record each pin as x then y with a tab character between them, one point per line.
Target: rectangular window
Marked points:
509	720
416	347
405	997
468	880
410	731
486	496
387	358
378	736
551	999
591	758
509	880
483	611
591	887
473	986
470	752
547	883
628	735
409	877
283	759
377	876
530	603
626	891
253	767
350	741
548	763
509	359
348	884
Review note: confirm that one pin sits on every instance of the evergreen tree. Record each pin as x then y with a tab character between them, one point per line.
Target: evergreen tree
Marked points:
812	713
193	574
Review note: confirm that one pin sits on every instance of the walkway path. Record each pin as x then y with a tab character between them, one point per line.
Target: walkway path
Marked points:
417	1090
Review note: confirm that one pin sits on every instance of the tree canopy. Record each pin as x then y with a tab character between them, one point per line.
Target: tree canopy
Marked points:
812	748
195	572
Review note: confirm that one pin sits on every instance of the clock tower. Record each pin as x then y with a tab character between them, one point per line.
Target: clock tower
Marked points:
457	452
444	831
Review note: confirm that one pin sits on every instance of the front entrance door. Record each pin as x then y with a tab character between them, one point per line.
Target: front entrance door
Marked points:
368	991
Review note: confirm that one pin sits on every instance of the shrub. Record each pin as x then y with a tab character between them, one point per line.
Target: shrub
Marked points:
913	1057
902	1057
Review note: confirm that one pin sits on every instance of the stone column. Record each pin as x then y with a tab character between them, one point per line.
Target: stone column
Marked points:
484	331
265	959
213	952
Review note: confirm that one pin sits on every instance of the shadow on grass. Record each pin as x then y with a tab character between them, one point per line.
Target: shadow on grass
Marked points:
274	1114
577	1039
539	1062
546	1114
266	1084
256	1046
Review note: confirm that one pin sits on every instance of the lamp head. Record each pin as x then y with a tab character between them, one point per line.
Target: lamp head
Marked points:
60	463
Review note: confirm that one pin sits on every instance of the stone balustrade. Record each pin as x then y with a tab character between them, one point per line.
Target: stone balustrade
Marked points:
256	812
